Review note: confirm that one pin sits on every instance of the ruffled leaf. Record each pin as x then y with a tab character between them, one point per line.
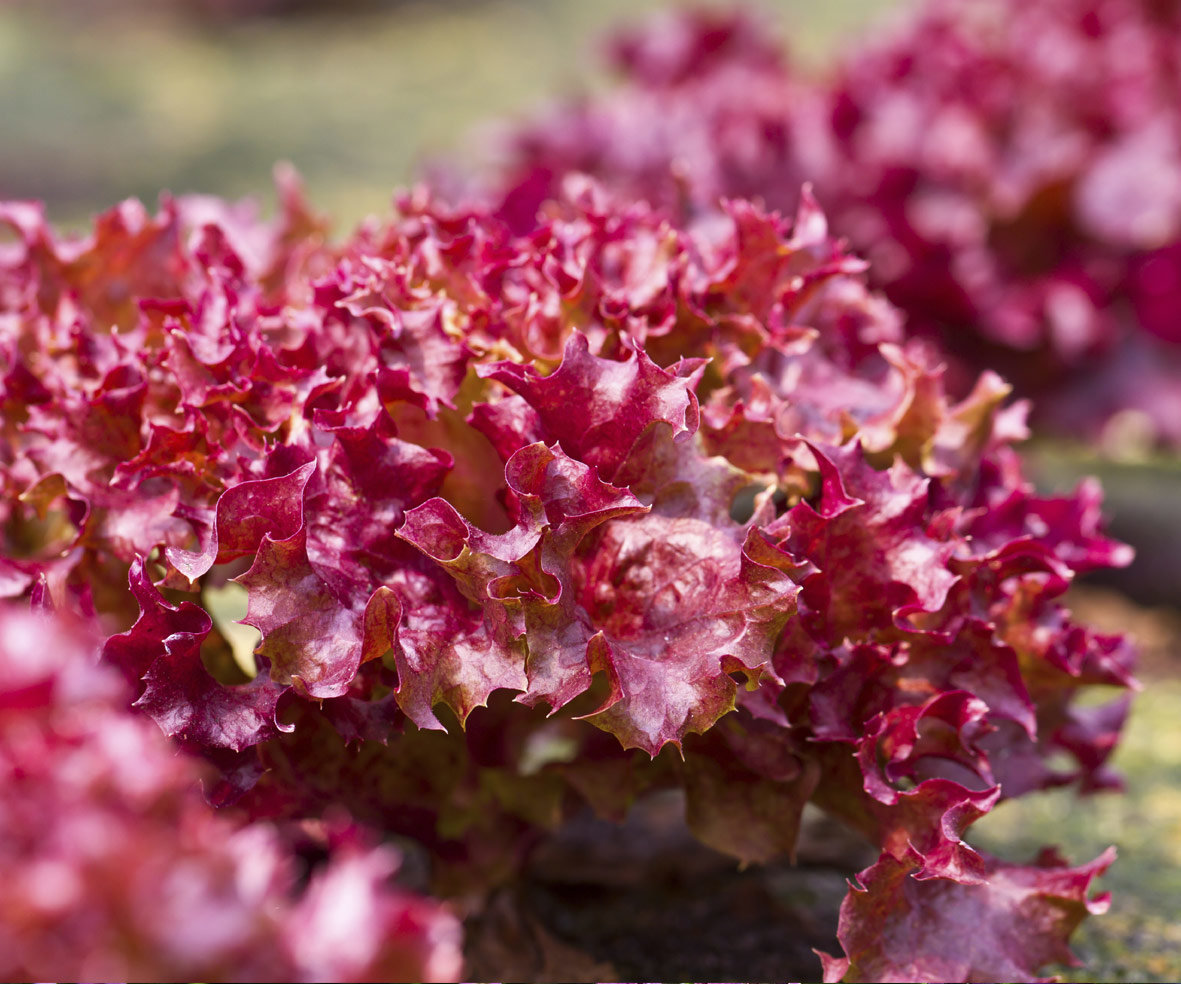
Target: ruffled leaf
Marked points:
895	926
616	401
163	649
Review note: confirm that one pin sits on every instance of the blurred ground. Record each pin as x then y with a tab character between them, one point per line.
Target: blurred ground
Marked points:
102	99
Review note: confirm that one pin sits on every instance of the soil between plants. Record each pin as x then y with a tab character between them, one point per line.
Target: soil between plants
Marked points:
645	901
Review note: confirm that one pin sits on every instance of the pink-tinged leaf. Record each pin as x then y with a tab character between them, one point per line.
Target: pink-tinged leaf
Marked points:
662	693
134	651
866	536
359	496
932	819
909	427
163	648
509	424
1091	734
14	580
516	579
129	248
418	342
182	452
682	605
564	654
474	481
975	661
446	655
857	682
484	566
665	606
1056	654
597	408
978	425
365	718
133	524
447	651
383	612
678	480
99	423
909	742
550	487
187	703
894	926
763	262
244	515
312	637
379	465
396	386
745	430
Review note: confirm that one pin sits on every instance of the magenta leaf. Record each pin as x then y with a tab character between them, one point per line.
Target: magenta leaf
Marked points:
311	636
244	515
584	578
875	566
895	926
516	580
688	606
163	649
617	401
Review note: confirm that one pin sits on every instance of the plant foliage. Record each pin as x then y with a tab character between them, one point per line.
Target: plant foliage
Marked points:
535	522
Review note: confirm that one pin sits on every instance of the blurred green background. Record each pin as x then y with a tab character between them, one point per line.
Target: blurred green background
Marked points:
104	99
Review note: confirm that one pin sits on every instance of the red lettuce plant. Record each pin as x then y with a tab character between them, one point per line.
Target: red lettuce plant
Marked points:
1010	170
538	522
1023	161
116	869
